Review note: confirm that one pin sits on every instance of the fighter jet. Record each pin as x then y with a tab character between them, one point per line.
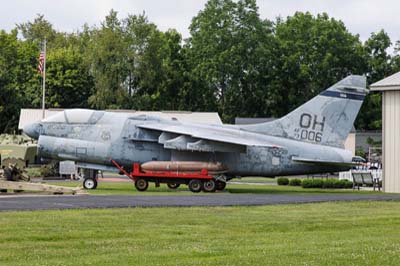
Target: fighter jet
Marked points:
308	140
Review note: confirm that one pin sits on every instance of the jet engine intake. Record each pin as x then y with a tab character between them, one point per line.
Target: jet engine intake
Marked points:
72	149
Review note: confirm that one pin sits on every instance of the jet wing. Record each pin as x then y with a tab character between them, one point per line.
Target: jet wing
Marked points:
207	139
322	162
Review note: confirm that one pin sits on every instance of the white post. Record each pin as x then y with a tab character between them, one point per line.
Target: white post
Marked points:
44	81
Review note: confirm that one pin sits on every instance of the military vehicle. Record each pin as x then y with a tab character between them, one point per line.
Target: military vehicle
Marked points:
308	140
18	147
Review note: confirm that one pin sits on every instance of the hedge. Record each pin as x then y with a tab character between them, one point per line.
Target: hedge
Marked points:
326	183
283	181
295	182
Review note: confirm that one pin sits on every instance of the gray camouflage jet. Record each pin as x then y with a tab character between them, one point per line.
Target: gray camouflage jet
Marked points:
308	140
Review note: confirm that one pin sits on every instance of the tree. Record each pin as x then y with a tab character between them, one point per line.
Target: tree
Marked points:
38	30
396	57
314	53
379	66
69	83
144	44
8	95
108	67
226	49
234	63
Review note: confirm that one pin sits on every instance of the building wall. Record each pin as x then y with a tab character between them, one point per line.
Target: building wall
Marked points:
28	116
362	138
391	141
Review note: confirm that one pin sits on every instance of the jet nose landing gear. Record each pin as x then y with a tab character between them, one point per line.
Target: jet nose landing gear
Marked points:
90	178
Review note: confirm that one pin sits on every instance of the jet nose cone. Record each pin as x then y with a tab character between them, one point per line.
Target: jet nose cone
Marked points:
32	130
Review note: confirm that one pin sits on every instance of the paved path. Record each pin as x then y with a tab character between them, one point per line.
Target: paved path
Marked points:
25	202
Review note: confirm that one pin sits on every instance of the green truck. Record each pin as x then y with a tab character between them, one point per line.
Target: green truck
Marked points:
19	147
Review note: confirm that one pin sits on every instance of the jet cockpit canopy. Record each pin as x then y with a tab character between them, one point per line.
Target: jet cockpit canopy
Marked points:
75	116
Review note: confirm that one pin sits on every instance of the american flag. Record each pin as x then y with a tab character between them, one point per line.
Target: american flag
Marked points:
41	62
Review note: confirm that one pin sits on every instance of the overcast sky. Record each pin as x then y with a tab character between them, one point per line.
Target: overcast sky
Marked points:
360	16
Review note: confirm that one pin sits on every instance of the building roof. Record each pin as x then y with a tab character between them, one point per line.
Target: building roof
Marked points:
390	83
258	120
28	116
252	120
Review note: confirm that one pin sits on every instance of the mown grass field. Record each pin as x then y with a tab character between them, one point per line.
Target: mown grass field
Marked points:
346	233
128	188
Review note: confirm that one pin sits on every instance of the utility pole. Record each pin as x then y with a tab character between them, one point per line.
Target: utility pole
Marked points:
44	80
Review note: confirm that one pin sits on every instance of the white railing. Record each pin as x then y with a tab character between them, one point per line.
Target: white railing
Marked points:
376	174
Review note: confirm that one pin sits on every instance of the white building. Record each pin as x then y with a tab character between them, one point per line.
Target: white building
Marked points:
28	116
390	88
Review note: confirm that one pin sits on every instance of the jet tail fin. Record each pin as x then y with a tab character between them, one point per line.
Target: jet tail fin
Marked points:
327	119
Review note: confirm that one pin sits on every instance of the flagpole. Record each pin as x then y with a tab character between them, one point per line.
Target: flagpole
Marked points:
44	82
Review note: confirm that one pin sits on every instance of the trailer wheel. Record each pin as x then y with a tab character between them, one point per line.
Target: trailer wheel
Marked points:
209	185
220	185
173	185
141	184
195	185
90	183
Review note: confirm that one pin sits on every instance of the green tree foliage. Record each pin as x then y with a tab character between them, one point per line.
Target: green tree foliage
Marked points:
38	30
160	73
8	74
396	58
228	46
146	47
69	83
234	63
379	65
314	53
108	64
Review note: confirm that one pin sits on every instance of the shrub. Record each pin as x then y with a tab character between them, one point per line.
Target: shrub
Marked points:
326	183
307	183
283	181
348	184
329	183
33	172
312	183
47	170
294	182
318	183
341	184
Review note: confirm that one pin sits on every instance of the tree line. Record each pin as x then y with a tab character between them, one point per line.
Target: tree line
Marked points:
234	63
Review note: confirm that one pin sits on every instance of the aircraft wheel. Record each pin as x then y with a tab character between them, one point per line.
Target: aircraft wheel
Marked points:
209	185
220	185
141	184
90	183
173	185
195	185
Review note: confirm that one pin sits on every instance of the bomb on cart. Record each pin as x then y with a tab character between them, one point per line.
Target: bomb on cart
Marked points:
197	181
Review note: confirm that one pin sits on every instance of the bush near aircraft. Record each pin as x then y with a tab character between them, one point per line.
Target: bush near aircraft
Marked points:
283	181
315	183
295	182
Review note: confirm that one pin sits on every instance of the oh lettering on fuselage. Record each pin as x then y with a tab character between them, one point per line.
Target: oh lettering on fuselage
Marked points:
311	127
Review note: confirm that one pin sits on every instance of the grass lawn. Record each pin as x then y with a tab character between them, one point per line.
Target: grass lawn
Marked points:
128	188
345	233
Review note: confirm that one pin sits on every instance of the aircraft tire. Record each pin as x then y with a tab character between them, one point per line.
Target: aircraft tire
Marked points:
173	185
195	185
220	185
90	183
141	184
209	185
